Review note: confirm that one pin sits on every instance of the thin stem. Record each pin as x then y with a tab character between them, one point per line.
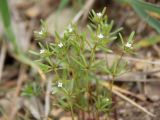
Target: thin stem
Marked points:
115	70
117	64
113	76
72	114
55	70
97	115
88	43
92	54
88	92
112	82
106	117
89	65
97	87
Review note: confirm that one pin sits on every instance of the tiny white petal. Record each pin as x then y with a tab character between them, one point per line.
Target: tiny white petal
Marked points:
128	45
99	14
40	33
100	36
107	99
60	45
60	84
70	29
42	51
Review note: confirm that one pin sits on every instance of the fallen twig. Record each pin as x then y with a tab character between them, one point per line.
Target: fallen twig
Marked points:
105	84
47	98
84	11
2	59
130	79
17	91
112	56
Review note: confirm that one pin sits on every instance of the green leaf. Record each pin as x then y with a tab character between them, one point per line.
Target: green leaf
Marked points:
33	52
63	4
149	41
148	6
130	39
143	14
121	38
83	59
6	19
5	13
142	8
79	63
45	68
32	89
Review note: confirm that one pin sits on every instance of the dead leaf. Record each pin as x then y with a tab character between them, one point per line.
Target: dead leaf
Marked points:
152	91
59	21
33	12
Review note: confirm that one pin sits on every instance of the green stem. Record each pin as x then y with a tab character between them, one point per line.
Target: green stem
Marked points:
117	64
115	70
97	115
92	54
72	114
119	60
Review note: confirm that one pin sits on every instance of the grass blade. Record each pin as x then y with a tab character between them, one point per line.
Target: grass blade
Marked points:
63	4
18	54
6	19
147	6
150	20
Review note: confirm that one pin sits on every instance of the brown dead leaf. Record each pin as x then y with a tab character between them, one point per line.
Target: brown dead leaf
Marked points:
23	4
59	21
140	65
68	118
32	12
56	112
152	91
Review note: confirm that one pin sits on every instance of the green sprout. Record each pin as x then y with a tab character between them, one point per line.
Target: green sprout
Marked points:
73	60
43	33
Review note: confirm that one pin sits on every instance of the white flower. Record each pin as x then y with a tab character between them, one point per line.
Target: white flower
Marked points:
128	45
60	45
100	36
70	29
40	32
60	84
107	99
99	14
42	51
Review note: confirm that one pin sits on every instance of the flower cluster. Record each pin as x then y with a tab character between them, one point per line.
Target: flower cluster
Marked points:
99	14
43	33
60	45
60	84
128	45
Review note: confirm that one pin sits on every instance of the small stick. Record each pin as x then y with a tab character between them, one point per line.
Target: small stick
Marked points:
101	55
89	4
2	59
128	100
17	91
47	99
